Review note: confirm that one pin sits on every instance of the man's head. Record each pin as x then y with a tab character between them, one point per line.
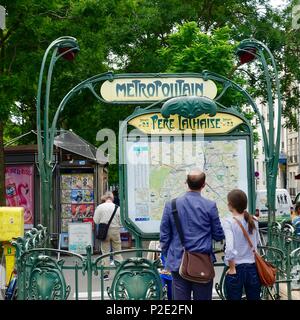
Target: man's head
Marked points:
107	197
196	179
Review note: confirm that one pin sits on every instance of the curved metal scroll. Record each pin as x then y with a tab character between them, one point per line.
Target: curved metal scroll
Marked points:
189	107
136	279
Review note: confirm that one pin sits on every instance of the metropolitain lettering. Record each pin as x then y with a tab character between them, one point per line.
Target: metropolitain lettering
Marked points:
138	88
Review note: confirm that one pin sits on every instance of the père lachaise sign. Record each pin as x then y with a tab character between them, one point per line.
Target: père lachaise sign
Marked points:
150	89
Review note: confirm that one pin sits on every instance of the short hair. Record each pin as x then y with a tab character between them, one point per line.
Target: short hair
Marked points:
297	207
107	195
196	179
103	199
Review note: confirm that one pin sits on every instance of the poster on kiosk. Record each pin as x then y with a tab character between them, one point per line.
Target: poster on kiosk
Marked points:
19	190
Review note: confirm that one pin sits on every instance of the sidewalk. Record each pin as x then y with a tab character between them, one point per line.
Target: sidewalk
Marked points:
283	293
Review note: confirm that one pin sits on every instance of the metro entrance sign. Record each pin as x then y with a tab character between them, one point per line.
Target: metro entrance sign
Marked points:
185	132
155	123
156	90
152	88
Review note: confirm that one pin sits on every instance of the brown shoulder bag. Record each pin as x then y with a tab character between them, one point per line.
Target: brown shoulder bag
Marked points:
266	271
195	266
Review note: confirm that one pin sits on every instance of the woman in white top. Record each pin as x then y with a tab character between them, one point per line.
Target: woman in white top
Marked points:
242	272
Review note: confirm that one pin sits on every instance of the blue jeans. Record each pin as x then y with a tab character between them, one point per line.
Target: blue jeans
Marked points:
246	278
182	289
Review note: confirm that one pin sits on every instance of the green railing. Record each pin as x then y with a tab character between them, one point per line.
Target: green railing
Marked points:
284	238
274	256
52	274
42	272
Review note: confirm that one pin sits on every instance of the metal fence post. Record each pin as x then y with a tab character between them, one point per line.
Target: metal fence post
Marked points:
288	267
89	271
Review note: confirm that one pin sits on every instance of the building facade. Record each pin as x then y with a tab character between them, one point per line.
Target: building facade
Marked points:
259	157
293	162
289	159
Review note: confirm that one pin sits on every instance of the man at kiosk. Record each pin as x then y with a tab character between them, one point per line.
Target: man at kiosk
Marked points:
200	224
103	214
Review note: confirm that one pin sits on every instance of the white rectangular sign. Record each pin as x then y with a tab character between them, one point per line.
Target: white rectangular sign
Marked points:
156	173
80	236
157	88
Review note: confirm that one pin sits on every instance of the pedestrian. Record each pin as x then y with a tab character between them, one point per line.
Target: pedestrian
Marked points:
200	222
97	241
102	214
296	219
242	273
165	275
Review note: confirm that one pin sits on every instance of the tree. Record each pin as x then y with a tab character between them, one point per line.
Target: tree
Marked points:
290	66
123	36
31	26
190	50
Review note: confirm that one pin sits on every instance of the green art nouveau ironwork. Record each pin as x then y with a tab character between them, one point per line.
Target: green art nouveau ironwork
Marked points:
189	107
241	131
35	262
41	271
136	279
63	47
248	50
68	45
35	238
46	281
94	83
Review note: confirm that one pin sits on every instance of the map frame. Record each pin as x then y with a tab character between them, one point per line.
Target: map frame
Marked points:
236	134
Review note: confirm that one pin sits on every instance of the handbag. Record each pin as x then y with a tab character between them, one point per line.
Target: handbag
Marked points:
266	271
103	227
195	266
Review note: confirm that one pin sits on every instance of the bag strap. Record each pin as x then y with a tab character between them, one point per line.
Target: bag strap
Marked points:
177	222
245	233
112	216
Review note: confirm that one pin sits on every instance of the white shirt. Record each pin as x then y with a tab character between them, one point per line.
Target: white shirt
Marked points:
237	247
104	212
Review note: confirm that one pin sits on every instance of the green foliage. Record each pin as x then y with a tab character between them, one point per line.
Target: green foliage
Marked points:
290	65
190	50
134	36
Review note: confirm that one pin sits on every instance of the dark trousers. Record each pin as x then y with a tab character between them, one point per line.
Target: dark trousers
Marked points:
246	278
182	289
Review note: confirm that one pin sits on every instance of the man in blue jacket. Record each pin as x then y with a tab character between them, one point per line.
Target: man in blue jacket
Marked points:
201	224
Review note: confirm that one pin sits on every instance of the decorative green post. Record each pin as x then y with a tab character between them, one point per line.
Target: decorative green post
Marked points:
248	50
65	47
89	269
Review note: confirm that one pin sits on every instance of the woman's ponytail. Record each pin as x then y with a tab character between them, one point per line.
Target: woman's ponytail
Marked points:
249	219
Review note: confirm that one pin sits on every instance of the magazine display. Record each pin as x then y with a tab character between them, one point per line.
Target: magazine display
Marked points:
77	199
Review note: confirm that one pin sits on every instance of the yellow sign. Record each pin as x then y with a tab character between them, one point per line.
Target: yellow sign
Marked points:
155	123
9	253
11	223
156	88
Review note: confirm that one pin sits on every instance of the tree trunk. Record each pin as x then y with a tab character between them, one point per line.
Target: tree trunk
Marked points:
2	167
